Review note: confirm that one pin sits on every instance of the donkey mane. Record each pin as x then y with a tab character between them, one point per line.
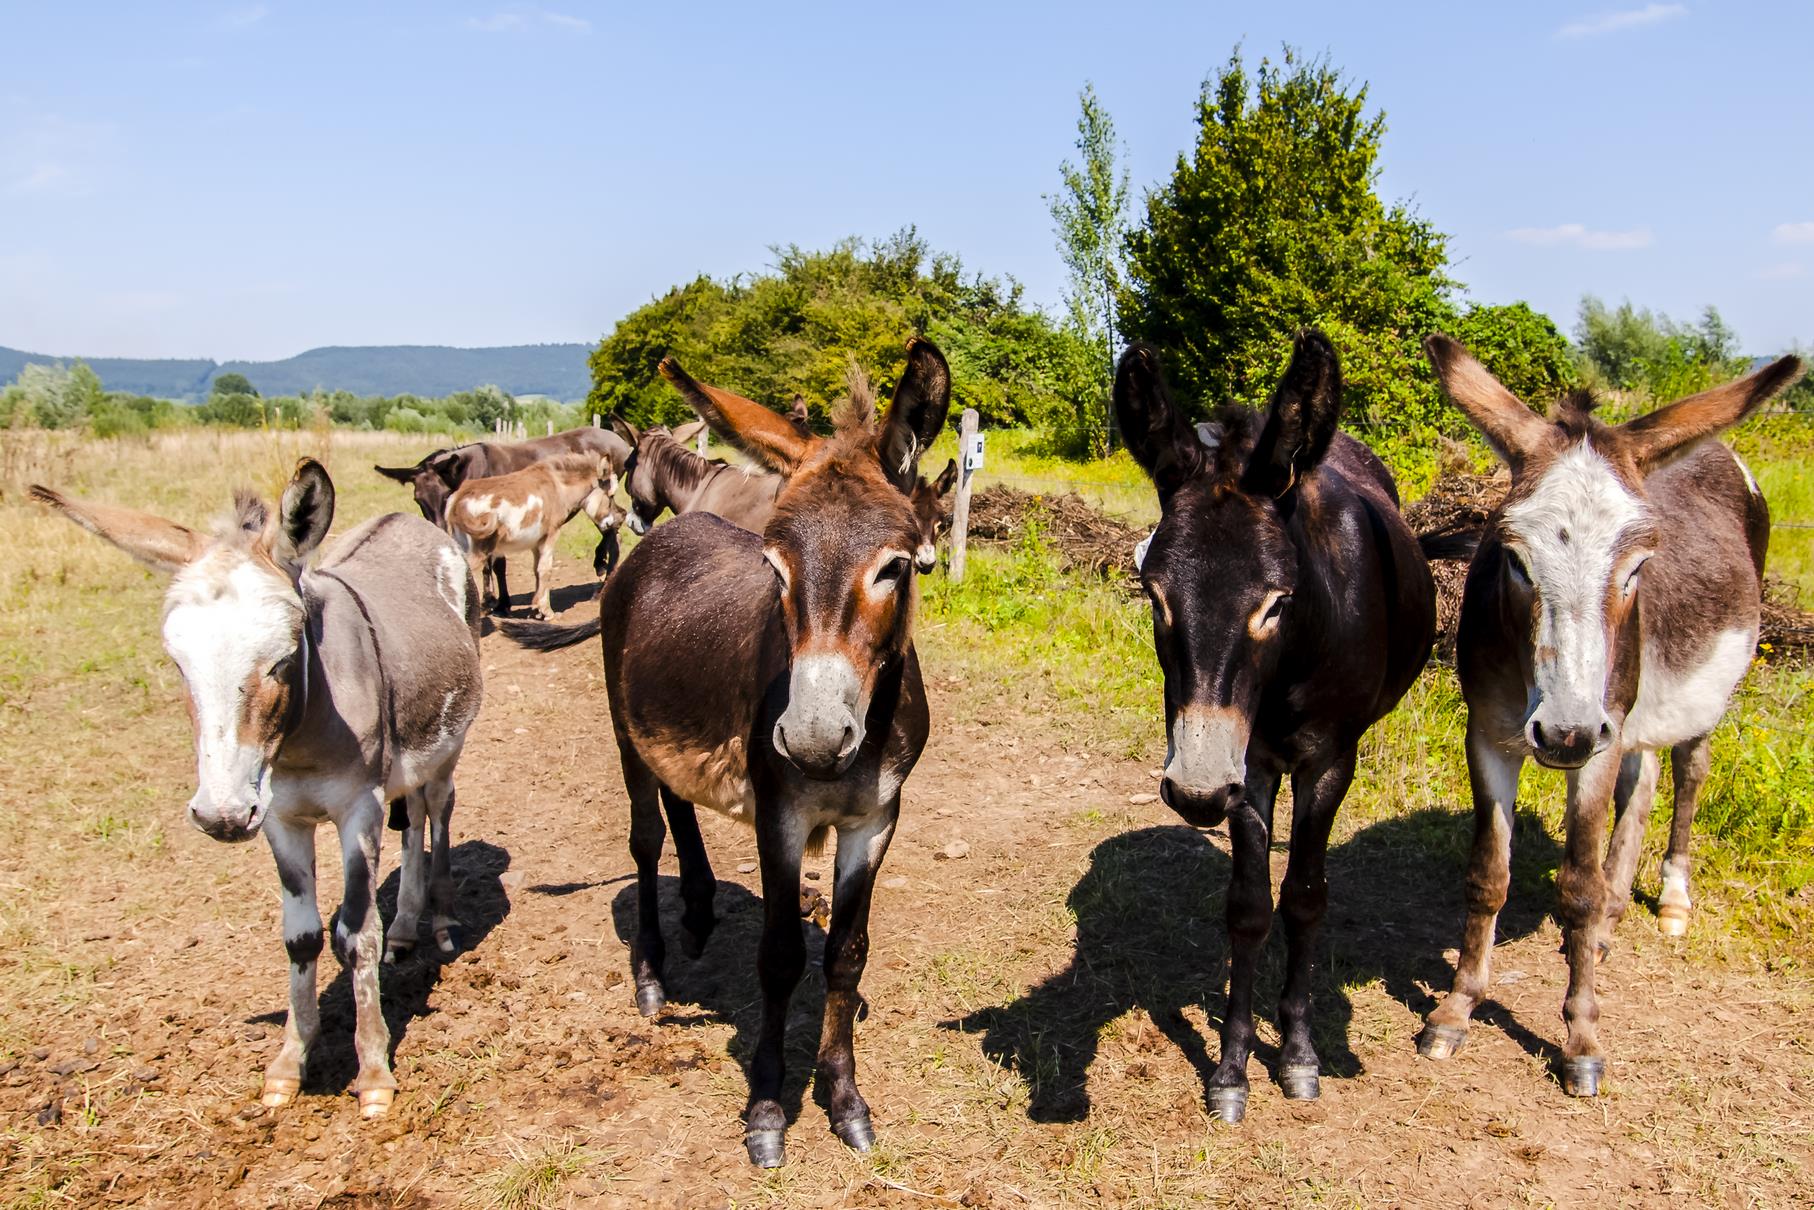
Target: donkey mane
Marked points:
857	409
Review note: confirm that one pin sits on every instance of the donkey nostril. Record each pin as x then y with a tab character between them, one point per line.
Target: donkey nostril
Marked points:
849	741
780	739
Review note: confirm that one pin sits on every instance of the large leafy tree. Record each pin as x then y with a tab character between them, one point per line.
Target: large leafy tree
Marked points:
796	328
1273	222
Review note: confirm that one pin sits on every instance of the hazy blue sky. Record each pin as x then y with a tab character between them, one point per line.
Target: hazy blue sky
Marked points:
251	179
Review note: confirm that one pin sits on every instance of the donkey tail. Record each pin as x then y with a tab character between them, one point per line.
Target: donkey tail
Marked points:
1458	544
549	636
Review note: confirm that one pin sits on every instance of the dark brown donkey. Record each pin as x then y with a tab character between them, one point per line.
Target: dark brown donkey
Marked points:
434	479
662	473
1291	610
773	678
1610	610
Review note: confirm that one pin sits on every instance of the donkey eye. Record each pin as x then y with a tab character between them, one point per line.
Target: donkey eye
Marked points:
1631	579
280	671
1278	606
891	573
1516	562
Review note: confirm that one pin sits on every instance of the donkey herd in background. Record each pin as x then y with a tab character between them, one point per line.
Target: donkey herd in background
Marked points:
759	661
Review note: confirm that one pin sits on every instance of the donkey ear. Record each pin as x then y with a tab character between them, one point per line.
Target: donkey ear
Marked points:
304	514
159	544
746	424
686	432
623	428
922	398
1510	427
1306	408
1656	438
402	474
800	418
1156	432
946	480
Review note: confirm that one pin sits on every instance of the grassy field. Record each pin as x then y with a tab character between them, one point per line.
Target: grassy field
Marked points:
94	754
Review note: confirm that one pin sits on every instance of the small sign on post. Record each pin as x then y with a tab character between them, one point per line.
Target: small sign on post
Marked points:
970	442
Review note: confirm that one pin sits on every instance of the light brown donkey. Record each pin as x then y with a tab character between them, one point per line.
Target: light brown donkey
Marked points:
525	510
1609	612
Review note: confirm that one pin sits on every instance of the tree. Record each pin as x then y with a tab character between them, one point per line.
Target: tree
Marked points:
796	328
1523	348
232	383
1634	349
1273	224
1090	217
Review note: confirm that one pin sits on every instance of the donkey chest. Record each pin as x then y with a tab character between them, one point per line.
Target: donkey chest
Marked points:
1675	704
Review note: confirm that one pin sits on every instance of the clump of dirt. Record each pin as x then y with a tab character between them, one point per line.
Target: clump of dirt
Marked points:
1085	538
1448	520
1788	629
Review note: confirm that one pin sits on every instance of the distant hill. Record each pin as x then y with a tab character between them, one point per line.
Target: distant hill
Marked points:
555	370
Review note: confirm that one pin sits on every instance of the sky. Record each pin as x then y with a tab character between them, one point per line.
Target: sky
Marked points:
248	180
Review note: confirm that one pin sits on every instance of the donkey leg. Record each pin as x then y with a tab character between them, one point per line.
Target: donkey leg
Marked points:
1581	905
697	886
648	952
1303	900
412	882
479	564
500	602
1493	773
440	793
860	852
1688	765
780	844
604	555
359	939
1632	796
293	845
541	605
1249	920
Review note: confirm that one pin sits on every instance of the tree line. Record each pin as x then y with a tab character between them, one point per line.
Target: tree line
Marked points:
1271	222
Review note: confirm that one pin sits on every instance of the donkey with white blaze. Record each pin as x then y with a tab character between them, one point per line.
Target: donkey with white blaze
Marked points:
1610	611
525	510
319	694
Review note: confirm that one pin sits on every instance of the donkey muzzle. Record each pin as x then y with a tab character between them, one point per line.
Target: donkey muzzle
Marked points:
821	729
1567	745
232	823
1206	768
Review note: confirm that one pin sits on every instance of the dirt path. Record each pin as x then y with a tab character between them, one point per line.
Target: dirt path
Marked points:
1043	1013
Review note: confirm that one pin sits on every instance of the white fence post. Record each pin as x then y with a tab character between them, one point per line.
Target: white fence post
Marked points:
960	511
598	421
703	434
551	427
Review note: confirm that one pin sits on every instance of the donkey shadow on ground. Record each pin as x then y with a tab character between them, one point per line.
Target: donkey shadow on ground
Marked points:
480	904
1151	935
721	986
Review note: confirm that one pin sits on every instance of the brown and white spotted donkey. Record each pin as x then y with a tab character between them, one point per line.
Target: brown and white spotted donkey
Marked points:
525	510
320	694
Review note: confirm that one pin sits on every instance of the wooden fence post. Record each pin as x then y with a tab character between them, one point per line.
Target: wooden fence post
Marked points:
597	421
551	427
960	511
704	433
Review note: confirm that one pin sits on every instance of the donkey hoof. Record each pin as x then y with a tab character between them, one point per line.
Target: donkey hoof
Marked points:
1672	921
1441	1041
649	998
1300	1081
765	1148
1228	1105
395	951
376	1102
444	940
279	1092
857	1132
1581	1076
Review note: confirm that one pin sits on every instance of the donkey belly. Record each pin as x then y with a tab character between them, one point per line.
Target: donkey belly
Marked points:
716	777
1675	705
